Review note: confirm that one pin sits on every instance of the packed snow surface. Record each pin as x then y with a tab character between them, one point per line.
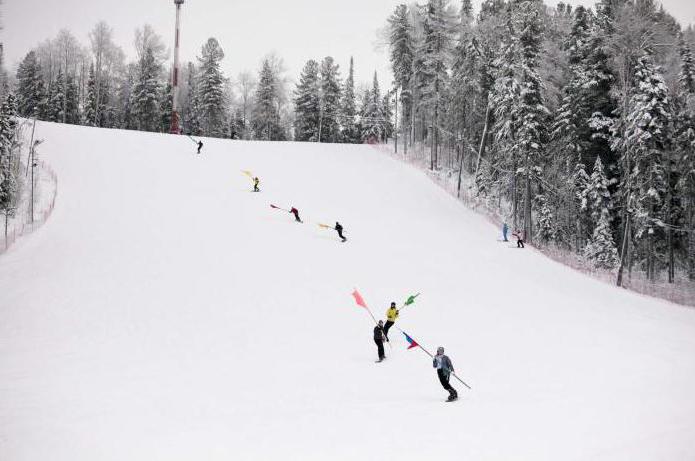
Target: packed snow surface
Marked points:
165	312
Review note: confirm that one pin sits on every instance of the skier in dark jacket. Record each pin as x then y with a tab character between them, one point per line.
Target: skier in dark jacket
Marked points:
255	184
339	228
444	370
379	339
295	212
200	146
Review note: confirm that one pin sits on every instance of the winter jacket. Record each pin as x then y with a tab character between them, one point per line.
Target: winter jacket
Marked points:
378	333
392	314
338	227
443	362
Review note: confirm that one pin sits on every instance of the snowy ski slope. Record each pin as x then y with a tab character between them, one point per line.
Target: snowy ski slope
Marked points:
165	312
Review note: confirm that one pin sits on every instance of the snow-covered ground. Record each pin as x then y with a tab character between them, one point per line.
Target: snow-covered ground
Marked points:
165	312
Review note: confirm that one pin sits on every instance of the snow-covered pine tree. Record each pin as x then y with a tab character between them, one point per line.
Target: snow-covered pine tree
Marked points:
145	96
601	250
55	105
402	45
532	133
546	230
465	92
31	91
596	195
125	118
433	74
687	72
190	113
330	95
211	96
350	133
90	110
387	112
266	114
306	104
72	102
9	182
166	105
372	116
644	142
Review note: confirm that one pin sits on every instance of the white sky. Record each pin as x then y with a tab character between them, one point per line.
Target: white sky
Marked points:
297	30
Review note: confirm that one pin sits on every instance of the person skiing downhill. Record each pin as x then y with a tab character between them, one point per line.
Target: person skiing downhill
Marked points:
444	369
295	212
519	234
505	229
391	316
339	228
379	340
200	146
255	184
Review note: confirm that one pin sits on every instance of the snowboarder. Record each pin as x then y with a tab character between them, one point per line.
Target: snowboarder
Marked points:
391	316
379	339
255	184
295	212
444	370
200	146
505	229
519	234
339	228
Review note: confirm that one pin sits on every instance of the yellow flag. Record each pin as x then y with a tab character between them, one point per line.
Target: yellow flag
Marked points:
247	173
325	226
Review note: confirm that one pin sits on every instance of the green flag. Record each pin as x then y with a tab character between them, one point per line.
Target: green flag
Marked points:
411	299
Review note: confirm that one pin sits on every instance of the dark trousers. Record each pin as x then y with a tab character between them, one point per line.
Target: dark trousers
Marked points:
296	217
380	347
444	379
340	234
255	188
387	326
520	243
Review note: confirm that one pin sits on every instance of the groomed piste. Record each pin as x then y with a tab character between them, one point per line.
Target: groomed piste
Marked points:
166	312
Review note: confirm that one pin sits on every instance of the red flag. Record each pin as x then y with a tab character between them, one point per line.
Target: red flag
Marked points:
358	299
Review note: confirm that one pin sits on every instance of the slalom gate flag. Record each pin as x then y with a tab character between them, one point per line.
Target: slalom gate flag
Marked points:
276	207
411	299
326	226
359	300
247	173
411	341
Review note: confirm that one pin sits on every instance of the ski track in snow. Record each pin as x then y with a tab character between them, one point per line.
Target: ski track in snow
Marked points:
164	312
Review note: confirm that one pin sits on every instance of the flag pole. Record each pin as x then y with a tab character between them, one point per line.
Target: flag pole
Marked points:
432	356
360	302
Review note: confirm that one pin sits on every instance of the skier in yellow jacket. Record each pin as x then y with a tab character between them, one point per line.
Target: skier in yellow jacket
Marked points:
391	316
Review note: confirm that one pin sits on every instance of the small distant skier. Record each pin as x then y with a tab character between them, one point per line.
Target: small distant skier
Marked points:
519	234
295	212
255	184
339	228
379	339
505	229
200	146
444	369
391	316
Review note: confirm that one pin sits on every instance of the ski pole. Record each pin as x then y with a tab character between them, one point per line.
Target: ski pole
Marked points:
432	356
278	208
191	138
